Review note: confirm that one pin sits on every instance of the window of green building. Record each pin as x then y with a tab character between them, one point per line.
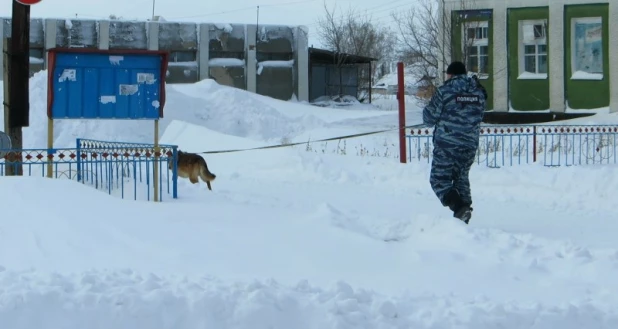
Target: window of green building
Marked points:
587	48
533	49
476	47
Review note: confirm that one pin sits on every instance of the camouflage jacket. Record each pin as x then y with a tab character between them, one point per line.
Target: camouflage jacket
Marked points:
456	111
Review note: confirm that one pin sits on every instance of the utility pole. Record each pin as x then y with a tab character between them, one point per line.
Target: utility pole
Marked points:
17	104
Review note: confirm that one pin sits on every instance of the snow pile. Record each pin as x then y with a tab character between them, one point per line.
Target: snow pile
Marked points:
193	138
260	252
342	100
220	108
233	111
149	301
582	75
209	91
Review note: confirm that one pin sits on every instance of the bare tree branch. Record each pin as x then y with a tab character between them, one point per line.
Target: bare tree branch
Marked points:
421	46
355	33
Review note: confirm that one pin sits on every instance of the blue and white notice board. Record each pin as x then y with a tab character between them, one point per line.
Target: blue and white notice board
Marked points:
106	84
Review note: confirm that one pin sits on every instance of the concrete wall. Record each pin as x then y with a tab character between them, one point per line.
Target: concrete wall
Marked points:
558	49
270	60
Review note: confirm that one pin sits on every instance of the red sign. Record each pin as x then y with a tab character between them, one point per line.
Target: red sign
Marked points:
28	2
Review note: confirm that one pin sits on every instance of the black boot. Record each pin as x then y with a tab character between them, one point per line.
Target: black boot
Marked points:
452	199
460	209
464	213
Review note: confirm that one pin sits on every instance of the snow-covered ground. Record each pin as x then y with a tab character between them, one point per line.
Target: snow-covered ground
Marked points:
296	239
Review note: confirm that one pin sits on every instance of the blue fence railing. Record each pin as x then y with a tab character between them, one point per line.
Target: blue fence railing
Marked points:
115	167
550	145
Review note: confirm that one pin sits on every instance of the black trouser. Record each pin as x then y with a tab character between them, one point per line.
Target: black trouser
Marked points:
450	168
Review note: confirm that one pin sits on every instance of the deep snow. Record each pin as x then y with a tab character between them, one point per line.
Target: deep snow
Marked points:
226	110
296	239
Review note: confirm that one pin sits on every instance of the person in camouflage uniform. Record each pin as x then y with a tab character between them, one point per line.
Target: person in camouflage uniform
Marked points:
455	111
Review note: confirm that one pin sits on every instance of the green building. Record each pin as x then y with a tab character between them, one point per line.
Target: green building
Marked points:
537	55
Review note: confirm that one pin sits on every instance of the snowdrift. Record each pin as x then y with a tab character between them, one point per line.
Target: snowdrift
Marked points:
220	108
195	138
240	260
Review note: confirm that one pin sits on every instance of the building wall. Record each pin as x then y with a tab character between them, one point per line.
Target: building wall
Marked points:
329	79
181	40
558	90
528	83
227	58
273	61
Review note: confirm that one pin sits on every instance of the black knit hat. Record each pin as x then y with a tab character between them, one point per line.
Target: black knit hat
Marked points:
456	68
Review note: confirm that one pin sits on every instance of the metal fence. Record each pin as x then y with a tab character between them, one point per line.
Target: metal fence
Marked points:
115	167
551	145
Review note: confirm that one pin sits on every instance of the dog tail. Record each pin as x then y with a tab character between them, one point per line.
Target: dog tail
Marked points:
206	173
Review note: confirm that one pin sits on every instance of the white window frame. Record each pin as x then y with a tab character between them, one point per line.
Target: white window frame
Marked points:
524	40
585	75
477	42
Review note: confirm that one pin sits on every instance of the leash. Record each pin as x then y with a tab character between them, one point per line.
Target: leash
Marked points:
308	142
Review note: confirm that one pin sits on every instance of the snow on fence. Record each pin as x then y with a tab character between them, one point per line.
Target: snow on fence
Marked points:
114	167
551	145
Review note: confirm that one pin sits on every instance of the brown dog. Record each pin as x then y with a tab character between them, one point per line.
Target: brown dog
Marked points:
193	166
